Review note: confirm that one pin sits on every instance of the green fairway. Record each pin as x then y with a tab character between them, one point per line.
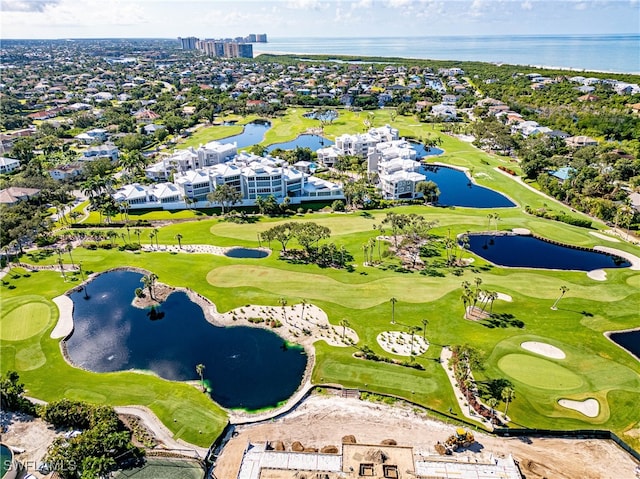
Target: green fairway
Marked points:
538	372
24	317
594	367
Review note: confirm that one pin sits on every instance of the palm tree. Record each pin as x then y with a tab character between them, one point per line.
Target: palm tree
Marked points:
303	303
393	310
413	330
149	281
179	238
200	371
496	218
138	232
563	290
490	217
424	328
345	324
112	236
508	394
64	276
69	247
492	403
151	236
156	231
283	303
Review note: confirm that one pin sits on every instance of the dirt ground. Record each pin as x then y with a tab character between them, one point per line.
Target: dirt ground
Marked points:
21	431
324	420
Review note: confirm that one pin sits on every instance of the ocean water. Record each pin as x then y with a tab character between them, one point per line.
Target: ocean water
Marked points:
609	53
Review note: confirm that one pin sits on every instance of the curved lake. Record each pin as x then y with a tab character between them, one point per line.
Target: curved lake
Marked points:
456	189
245	367
530	252
246	253
252	134
313	142
629	340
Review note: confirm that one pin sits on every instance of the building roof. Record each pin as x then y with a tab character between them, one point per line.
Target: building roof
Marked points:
14	194
563	173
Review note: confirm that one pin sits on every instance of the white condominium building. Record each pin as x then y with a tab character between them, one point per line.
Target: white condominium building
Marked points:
399	177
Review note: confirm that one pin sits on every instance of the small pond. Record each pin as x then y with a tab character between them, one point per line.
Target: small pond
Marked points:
247	368
313	142
456	189
422	151
522	251
246	253
629	340
252	134
326	115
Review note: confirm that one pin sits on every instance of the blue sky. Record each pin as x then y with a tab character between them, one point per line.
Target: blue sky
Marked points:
313	18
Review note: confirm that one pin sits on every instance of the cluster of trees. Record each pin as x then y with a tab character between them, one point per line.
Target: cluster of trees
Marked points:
308	235
102	441
414	231
471	296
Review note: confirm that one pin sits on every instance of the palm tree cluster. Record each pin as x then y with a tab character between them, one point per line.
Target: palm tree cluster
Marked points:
472	296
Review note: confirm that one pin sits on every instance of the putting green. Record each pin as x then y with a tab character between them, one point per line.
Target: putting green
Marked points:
538	372
24	321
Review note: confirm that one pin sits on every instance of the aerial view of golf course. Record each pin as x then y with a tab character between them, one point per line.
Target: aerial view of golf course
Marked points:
494	316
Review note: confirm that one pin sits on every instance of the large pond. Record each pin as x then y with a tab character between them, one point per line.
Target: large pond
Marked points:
314	142
530	252
456	189
252	134
245	367
629	340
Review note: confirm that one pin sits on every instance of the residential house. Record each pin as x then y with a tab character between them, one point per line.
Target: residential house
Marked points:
7	165
445	112
15	194
580	141
65	172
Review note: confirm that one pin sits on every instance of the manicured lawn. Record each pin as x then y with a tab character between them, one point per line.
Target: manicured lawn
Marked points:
593	367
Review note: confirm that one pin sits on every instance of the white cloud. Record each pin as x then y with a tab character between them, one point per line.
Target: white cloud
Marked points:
25	5
306	4
526	5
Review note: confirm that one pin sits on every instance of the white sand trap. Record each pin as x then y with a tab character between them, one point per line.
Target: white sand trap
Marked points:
588	407
543	349
604	237
399	342
521	231
64	326
632	258
597	274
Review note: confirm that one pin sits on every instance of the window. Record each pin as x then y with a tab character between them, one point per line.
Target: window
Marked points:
366	469
390	471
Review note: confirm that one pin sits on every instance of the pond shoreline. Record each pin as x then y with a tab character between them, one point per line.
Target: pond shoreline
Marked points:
317	320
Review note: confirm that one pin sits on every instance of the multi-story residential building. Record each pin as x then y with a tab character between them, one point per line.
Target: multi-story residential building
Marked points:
188	43
399	177
106	150
389	150
359	144
251	175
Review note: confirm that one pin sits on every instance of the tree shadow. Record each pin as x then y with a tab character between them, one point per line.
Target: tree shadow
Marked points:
502	320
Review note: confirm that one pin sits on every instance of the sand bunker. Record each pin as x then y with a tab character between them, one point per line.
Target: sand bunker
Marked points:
400	343
588	407
64	326
543	349
521	231
597	274
604	237
632	258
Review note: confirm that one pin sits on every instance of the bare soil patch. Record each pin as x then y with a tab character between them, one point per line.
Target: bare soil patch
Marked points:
323	420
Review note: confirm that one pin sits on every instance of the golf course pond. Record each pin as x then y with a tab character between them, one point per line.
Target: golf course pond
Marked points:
457	189
246	253
629	340
244	368
524	251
